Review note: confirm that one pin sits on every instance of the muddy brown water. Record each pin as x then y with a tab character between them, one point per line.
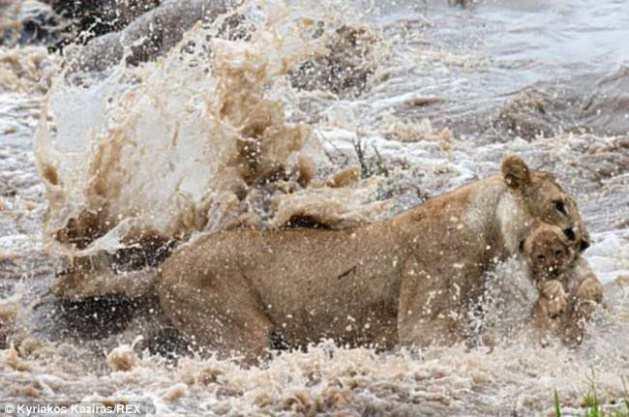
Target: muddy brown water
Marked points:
546	81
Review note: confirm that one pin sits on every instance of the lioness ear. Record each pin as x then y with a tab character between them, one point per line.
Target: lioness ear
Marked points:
515	172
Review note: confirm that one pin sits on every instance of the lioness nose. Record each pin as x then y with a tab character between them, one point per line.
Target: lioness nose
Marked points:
569	232
584	245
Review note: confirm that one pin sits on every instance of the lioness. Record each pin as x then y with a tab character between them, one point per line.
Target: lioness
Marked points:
568	289
405	280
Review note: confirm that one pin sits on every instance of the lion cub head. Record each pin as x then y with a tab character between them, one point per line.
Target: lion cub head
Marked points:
548	252
568	289
545	201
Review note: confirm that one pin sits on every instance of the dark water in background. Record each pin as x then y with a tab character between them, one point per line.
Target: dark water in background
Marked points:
501	47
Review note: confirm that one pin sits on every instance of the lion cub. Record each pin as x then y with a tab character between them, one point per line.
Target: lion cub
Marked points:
568	289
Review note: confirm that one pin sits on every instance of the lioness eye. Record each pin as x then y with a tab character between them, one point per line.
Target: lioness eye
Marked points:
560	207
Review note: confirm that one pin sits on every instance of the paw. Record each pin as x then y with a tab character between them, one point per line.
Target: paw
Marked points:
590	290
557	306
556	298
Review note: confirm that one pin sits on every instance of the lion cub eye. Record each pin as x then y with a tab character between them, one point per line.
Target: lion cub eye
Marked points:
560	207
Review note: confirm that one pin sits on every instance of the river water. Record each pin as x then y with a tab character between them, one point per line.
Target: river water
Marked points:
447	92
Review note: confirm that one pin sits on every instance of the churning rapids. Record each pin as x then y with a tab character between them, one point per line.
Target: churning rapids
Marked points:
102	162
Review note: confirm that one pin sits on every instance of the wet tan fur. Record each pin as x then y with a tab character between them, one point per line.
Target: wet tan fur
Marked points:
568	289
405	280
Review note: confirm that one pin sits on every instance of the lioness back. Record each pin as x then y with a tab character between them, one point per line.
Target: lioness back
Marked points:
310	283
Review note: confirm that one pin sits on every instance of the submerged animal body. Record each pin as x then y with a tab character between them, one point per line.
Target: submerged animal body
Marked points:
406	280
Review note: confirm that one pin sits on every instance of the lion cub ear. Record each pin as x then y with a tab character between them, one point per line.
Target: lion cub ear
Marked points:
515	172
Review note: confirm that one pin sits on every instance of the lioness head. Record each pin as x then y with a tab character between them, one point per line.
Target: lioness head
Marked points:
546	201
548	252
